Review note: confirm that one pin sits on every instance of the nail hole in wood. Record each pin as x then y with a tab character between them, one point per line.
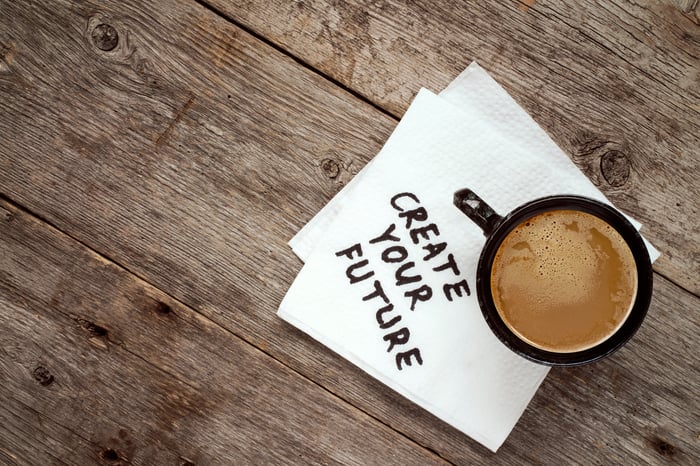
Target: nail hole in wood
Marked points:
162	308
93	329
110	455
105	37
663	448
43	376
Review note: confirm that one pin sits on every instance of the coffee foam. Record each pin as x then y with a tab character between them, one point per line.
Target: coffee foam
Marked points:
564	280
560	257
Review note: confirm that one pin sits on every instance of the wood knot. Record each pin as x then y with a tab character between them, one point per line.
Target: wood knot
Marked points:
105	37
43	376
331	168
602	158
615	168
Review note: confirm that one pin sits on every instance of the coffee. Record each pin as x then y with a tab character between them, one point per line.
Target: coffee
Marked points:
563	280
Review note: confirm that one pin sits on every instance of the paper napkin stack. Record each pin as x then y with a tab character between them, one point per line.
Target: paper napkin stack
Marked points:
390	264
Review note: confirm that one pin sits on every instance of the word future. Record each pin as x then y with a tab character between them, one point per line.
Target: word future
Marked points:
423	235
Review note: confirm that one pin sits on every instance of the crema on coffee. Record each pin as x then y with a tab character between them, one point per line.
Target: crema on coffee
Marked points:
564	280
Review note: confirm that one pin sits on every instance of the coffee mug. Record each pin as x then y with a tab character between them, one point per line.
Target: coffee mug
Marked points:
562	280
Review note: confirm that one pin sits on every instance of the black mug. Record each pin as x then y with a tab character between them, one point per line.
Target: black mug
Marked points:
496	228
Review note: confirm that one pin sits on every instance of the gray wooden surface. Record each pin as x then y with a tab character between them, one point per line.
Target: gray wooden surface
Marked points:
156	157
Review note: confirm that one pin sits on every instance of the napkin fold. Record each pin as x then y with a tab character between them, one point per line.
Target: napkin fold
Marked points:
390	273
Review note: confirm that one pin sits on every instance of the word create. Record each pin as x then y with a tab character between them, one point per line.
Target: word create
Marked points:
406	277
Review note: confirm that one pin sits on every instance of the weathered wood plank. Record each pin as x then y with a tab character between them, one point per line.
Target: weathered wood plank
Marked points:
156	167
616	84
113	369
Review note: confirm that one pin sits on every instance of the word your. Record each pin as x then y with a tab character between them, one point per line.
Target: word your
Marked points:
423	235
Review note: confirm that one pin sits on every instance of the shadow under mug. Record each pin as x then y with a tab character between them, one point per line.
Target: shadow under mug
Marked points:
496	228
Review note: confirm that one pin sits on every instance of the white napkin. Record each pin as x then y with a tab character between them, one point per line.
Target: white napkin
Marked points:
394	232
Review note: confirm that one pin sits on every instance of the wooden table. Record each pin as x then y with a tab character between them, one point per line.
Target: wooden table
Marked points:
155	158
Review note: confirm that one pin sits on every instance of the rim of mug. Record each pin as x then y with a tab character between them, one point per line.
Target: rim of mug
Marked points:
565	202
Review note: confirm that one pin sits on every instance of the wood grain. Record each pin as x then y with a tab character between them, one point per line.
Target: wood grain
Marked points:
28	437
112	370
190	152
600	77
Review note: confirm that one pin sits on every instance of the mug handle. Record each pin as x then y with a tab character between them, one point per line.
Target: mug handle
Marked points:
477	210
